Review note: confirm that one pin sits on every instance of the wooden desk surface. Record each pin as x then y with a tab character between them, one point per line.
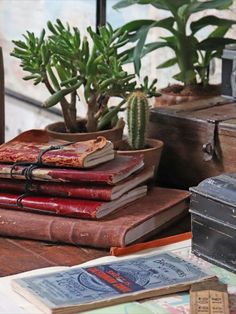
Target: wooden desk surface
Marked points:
18	255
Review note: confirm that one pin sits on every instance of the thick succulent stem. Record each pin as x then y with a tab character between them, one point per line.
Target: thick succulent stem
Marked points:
92	120
69	115
137	119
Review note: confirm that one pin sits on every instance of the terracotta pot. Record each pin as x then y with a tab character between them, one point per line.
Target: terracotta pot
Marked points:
171	99
55	130
174	98
151	155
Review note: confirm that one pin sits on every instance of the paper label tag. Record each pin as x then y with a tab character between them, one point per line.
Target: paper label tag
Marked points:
209	301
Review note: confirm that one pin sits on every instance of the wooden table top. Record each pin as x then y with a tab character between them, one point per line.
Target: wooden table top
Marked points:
18	255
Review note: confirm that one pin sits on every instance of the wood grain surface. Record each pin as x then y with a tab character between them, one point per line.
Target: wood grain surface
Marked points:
185	132
18	255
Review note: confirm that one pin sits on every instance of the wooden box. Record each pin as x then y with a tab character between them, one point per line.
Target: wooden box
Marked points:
213	219
199	140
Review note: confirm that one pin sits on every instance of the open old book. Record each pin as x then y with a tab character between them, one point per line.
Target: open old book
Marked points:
91	287
12	302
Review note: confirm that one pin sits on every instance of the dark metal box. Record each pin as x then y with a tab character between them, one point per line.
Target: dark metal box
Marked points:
213	218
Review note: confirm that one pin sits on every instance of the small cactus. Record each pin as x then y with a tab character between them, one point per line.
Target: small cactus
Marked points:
137	119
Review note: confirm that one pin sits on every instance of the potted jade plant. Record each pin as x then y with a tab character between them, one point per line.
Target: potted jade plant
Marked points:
66	63
137	142
192	54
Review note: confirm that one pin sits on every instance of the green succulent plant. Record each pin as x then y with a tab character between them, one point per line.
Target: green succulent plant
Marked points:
191	54
137	119
65	62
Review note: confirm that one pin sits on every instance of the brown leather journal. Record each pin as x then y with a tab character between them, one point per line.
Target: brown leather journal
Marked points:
130	224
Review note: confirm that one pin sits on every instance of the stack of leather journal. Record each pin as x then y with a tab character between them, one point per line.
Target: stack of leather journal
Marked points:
80	193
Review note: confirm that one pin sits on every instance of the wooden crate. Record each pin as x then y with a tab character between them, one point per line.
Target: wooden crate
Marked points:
199	140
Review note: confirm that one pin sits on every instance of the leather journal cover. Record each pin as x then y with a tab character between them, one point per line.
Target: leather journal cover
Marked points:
84	190
132	223
110	172
69	207
35	146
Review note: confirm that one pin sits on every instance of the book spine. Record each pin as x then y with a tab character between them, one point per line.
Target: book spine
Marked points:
58	229
57	189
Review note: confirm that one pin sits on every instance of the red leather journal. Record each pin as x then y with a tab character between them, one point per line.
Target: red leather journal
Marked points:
69	207
89	191
110	172
31	145
132	223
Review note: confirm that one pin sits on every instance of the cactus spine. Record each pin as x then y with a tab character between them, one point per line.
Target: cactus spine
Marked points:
137	119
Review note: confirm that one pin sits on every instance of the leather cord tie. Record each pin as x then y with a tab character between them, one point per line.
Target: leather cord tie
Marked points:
27	172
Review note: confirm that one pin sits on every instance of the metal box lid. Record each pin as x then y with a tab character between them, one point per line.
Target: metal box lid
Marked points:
221	188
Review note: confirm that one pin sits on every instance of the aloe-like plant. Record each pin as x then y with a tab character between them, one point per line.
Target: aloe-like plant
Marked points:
65	62
191	54
137	119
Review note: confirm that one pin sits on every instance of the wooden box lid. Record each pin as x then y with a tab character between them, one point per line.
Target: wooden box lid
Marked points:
218	110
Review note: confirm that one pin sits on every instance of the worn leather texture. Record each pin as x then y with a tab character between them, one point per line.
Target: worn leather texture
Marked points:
27	147
107	232
110	172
